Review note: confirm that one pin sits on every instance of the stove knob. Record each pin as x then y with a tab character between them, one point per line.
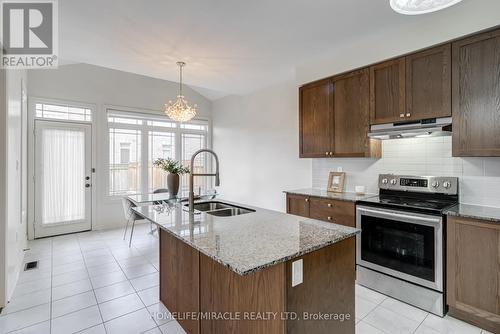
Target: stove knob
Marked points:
435	184
385	181
394	182
446	184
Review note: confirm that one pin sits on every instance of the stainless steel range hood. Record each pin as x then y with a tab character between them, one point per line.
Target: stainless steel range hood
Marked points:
433	127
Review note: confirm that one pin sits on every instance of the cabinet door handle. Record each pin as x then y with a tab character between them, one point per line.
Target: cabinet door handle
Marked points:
326	153
331	153
401	115
329	205
330	218
307	199
408	115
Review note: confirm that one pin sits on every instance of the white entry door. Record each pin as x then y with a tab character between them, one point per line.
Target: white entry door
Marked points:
63	178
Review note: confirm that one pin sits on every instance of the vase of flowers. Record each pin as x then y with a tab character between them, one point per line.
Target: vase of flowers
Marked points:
174	170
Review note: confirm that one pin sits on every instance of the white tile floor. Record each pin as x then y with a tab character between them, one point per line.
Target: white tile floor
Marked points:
93	283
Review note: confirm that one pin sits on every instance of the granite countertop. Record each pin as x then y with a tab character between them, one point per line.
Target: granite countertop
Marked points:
475	212
314	192
248	242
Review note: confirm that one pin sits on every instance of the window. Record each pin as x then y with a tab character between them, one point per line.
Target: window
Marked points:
137	139
125	153
124	161
167	150
190	144
63	112
161	145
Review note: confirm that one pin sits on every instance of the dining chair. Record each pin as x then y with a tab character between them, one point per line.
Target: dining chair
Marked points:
157	191
131	217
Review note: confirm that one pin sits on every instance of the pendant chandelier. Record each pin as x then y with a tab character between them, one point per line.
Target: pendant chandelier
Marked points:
416	7
180	110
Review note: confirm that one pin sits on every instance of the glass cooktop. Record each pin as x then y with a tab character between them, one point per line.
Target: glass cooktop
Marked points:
421	203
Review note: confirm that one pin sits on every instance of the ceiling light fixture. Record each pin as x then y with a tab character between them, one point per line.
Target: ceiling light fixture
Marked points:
180	111
416	7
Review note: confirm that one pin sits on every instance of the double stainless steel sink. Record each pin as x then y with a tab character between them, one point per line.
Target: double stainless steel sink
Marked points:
221	209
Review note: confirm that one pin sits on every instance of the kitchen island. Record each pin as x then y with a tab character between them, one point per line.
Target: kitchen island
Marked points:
233	274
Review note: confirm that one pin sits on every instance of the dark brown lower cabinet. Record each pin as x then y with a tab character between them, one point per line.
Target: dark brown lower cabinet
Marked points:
473	272
329	210
193	282
297	205
338	212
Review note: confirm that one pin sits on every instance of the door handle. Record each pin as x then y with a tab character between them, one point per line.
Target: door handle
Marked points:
87	185
87	178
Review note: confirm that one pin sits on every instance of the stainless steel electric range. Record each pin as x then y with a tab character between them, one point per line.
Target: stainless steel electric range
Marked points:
400	251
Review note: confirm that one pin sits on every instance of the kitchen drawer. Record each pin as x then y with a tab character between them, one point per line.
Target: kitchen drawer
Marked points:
297	205
339	212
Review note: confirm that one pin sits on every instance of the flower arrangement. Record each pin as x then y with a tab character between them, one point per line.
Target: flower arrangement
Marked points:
171	166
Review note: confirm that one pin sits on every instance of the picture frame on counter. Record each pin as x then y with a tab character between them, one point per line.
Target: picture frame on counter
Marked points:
336	182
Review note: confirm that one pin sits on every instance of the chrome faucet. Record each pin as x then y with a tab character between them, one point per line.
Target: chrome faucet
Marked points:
192	175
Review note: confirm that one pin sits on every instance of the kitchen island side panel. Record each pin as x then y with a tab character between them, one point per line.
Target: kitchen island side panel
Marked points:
179	279
328	289
193	282
260	294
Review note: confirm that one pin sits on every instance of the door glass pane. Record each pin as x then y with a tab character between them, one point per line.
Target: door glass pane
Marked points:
63	176
63	112
124	161
407	248
190	144
161	145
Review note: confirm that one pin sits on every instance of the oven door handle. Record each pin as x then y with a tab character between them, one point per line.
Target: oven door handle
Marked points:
411	218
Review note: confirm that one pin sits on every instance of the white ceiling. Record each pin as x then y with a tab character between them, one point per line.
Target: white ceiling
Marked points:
230	46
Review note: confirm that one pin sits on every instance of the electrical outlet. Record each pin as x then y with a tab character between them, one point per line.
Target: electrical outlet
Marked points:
340	169
297	272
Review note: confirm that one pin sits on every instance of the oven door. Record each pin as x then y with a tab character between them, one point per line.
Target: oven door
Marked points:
405	245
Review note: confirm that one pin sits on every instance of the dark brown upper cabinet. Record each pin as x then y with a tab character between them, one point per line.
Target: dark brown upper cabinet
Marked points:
352	116
335	117
428	83
387	92
316	119
459	79
476	95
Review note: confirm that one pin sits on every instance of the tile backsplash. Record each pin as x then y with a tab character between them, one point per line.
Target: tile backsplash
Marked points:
479	177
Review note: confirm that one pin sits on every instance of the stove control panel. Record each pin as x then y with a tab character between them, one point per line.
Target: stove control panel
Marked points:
427	184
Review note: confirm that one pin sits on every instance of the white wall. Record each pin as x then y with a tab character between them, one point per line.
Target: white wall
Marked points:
12	199
413	34
103	87
479	177
257	139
